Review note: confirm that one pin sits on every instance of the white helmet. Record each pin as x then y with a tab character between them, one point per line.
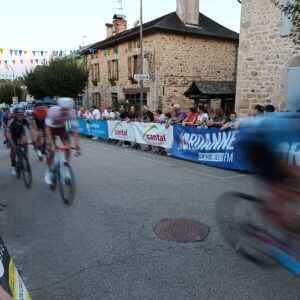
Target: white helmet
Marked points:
66	103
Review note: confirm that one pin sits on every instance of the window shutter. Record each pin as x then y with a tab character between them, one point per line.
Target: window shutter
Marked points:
129	67
117	69
109	69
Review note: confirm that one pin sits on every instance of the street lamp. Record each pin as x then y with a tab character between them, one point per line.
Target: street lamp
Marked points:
8	67
141	56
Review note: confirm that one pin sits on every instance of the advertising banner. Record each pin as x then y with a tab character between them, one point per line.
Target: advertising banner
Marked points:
123	131
96	128
210	146
11	284
154	134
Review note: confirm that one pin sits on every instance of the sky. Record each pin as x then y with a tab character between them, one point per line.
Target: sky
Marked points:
54	25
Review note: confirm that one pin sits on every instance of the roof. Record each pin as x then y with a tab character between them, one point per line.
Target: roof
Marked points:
210	88
171	23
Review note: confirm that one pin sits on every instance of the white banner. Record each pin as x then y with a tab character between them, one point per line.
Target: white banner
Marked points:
123	131
153	134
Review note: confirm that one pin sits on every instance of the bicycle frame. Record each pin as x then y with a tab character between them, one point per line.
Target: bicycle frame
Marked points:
59	163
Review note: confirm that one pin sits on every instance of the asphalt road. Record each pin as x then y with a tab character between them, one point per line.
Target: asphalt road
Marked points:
104	246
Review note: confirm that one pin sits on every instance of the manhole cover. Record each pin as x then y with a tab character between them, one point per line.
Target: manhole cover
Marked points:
181	230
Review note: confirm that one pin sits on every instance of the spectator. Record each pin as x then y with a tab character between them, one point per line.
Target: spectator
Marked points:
191	117
258	110
81	113
123	113
232	123
88	115
147	115
179	115
159	116
218	119
96	113
202	119
269	108
169	120
132	116
108	114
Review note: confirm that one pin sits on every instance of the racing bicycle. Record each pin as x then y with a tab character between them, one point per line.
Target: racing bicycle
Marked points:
22	166
63	175
242	222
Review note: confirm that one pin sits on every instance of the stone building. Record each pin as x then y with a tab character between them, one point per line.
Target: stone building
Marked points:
179	48
268	60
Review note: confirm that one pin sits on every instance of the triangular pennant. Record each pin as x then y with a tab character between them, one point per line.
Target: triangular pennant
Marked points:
21	61
13	61
31	61
20	52
37	61
11	51
0	62
1	50
16	52
5	62
42	53
33	52
25	52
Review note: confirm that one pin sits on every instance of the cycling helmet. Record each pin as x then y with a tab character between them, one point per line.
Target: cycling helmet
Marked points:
19	110
39	103
66	103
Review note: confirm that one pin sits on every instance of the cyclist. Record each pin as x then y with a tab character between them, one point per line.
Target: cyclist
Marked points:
6	116
16	132
272	145
55	126
39	115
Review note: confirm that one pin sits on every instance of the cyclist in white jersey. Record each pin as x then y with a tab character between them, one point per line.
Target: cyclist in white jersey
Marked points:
55	126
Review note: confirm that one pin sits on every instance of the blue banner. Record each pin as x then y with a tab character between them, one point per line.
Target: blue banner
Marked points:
95	128
220	148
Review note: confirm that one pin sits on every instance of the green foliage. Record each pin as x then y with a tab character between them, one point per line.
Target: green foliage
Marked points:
65	78
7	91
292	10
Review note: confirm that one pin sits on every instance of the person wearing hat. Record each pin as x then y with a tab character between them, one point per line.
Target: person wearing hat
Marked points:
178	115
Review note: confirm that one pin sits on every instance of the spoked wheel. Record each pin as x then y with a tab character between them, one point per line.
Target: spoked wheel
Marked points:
239	218
26	170
53	180
67	184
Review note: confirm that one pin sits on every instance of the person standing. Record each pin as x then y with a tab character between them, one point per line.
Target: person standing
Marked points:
202	119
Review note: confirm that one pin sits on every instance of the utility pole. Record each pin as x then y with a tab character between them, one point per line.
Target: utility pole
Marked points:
141	57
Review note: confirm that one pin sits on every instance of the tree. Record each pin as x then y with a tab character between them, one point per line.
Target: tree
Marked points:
65	78
7	91
292	10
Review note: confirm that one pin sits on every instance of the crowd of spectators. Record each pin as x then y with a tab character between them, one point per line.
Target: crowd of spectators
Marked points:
198	117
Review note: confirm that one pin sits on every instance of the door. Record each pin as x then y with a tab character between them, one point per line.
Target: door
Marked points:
293	89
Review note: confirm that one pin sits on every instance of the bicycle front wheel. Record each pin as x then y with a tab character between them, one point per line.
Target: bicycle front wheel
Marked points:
26	170
237	214
67	184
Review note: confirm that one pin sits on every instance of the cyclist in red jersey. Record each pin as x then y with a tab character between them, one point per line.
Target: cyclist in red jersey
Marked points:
38	122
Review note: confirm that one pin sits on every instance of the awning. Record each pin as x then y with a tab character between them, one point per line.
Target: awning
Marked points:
133	91
210	89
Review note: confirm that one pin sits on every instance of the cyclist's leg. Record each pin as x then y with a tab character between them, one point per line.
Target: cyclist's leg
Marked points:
24	142
13	151
65	139
49	152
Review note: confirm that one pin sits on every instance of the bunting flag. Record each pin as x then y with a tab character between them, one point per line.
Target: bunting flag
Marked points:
25	52
0	62
33	52
13	61
1	50
31	61
21	61
37	61
16	52
20	52
11	51
42	53
5	62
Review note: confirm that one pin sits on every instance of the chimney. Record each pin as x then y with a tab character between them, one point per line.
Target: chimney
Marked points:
188	12
119	23
109	30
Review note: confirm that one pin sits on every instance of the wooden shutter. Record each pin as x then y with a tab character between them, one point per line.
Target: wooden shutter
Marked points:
129	67
109	69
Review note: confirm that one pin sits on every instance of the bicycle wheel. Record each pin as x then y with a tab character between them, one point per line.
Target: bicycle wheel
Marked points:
26	170
67	184
237	215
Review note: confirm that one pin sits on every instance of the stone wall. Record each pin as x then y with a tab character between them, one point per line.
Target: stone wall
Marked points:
264	57
173	62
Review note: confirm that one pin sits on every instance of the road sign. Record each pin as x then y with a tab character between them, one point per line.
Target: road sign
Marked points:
141	77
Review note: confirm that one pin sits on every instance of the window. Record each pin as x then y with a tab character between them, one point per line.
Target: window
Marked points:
113	69
136	64
293	88
286	24
114	100
134	99
79	101
97	72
